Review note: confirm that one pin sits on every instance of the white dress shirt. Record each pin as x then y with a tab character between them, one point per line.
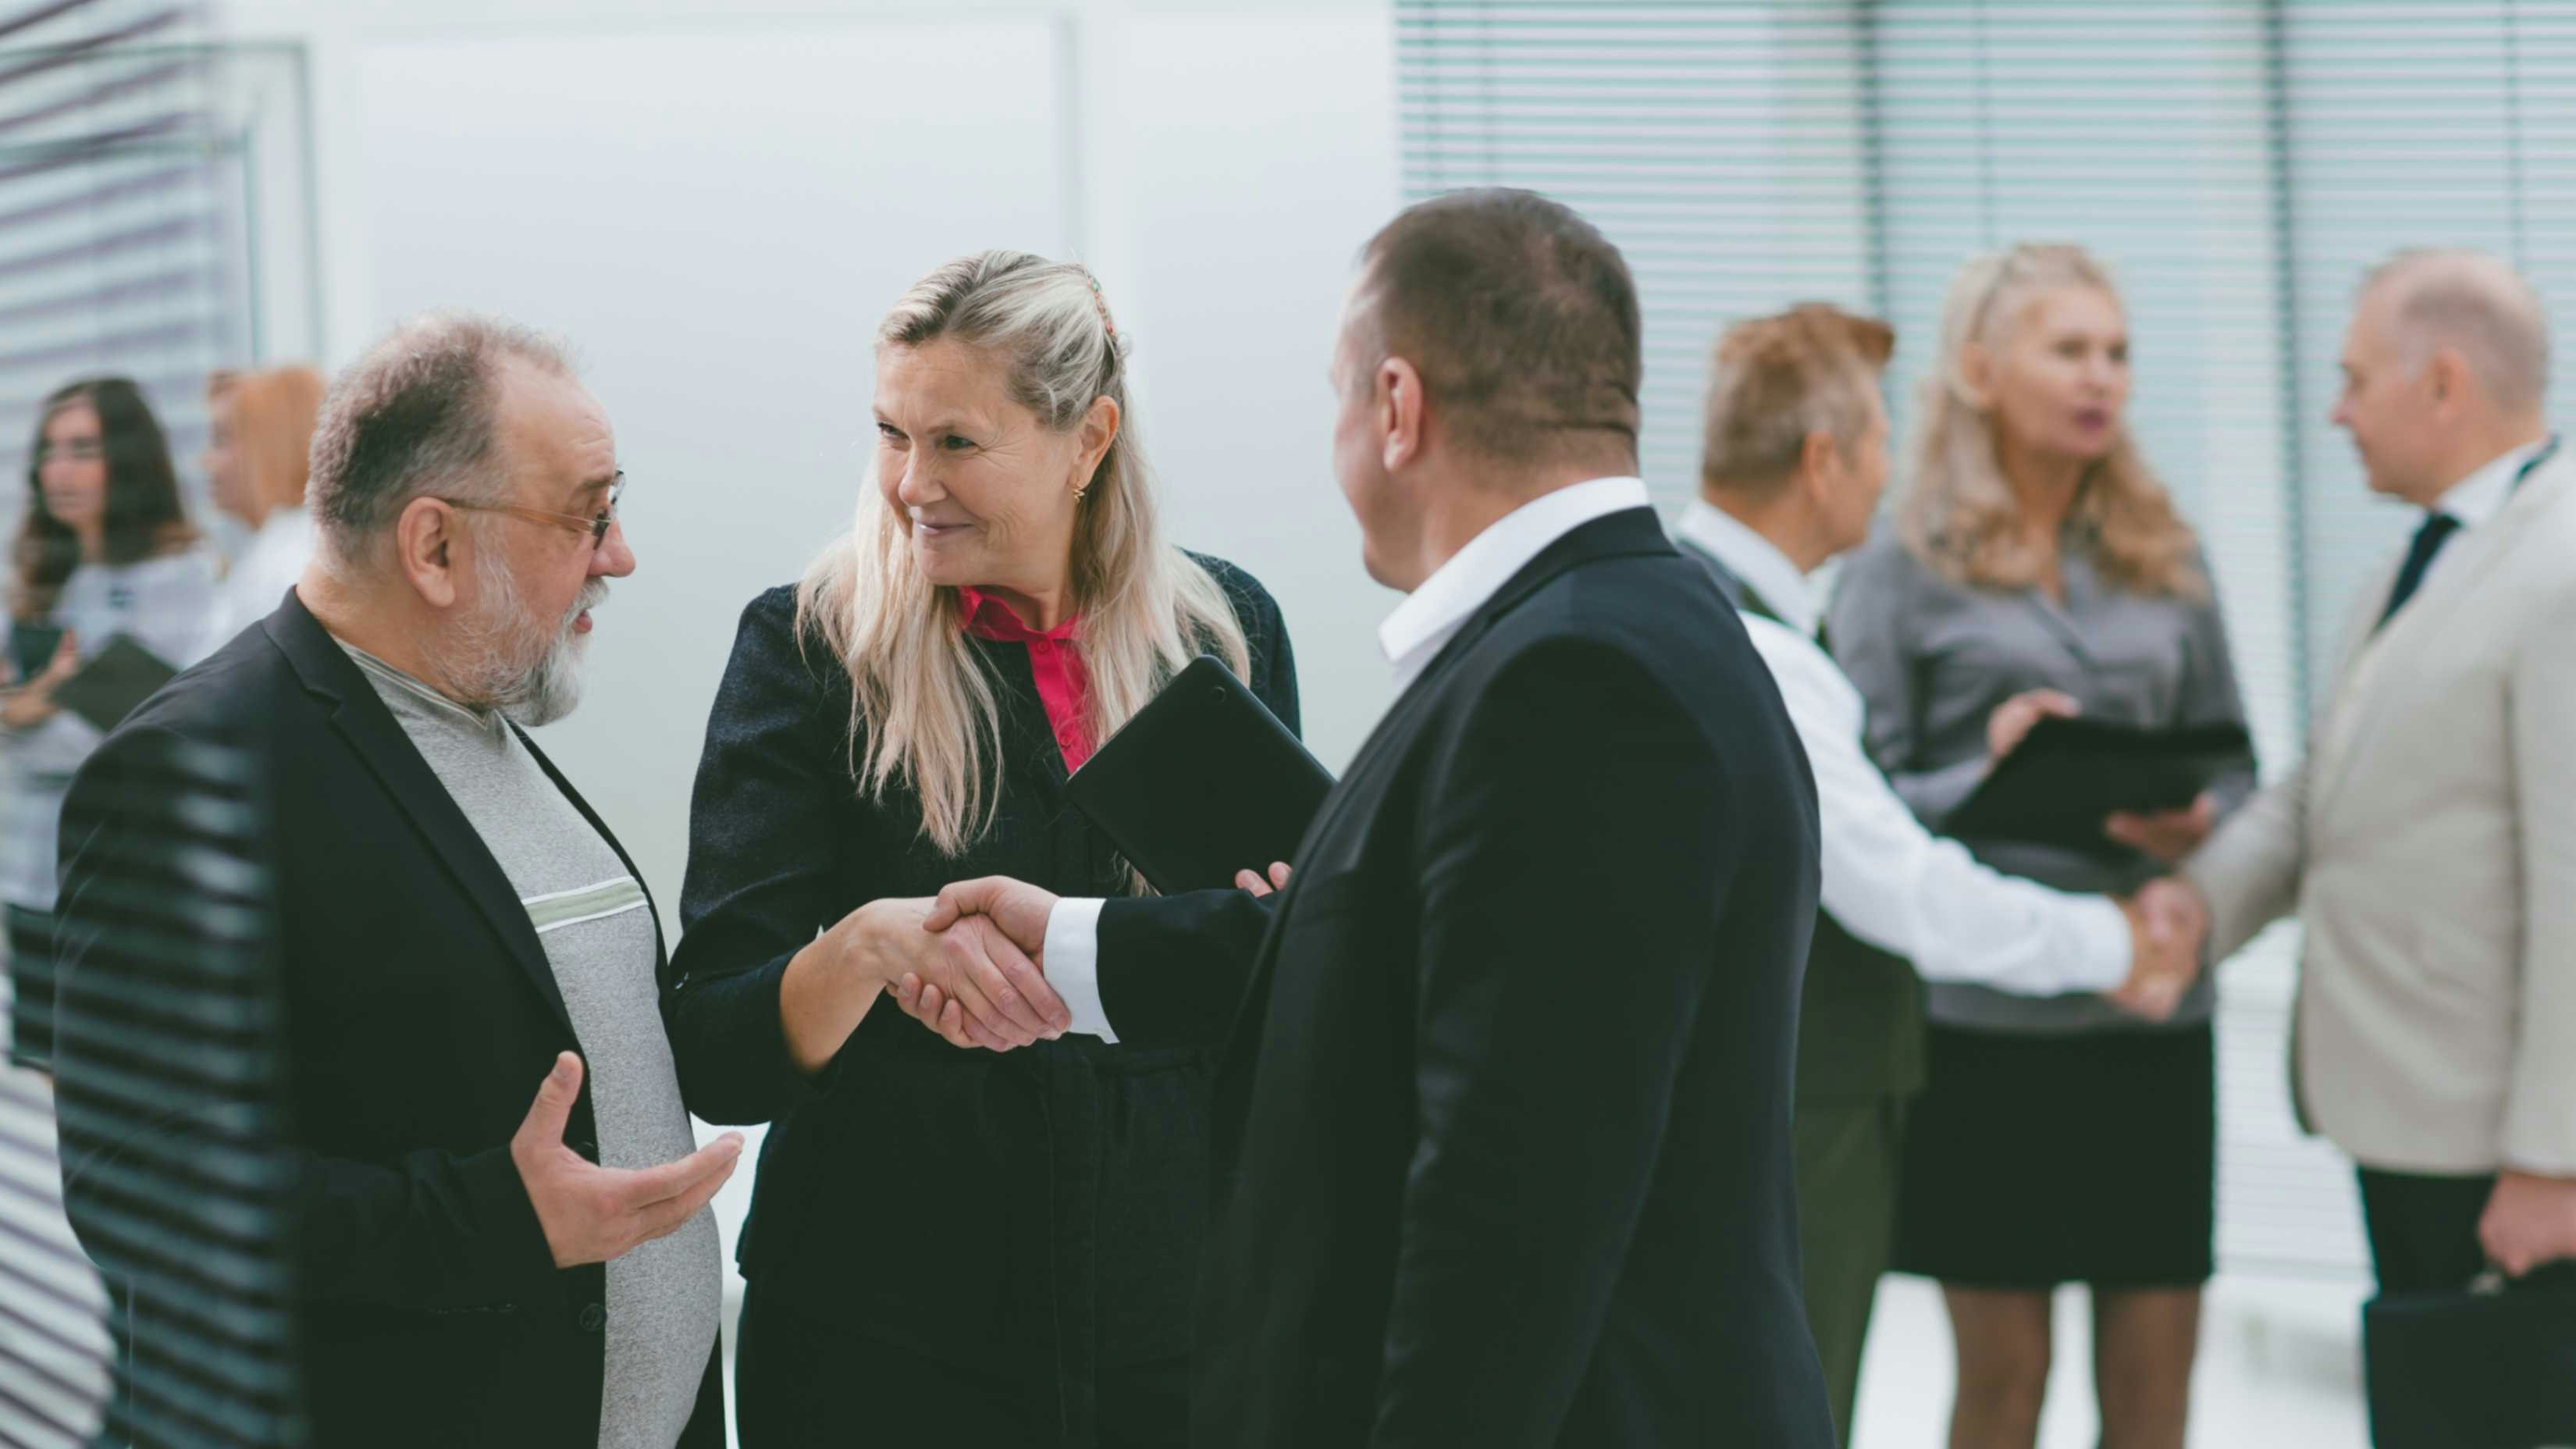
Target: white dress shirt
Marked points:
1411	638
2481	495
1886	879
270	562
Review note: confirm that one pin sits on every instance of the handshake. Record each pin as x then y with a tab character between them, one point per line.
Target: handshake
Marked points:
2168	922
969	963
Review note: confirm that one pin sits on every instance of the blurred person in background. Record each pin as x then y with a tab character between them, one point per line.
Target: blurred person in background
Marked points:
2039	567
497	1203
258	451
1794	461
105	549
2428	841
955	1246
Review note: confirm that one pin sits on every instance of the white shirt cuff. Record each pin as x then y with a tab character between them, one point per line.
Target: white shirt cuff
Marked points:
1072	956
2103	930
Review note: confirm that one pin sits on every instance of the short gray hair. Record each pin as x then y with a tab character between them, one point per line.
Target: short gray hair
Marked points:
2477	303
417	414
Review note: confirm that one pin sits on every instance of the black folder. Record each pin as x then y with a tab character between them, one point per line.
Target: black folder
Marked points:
2068	775
115	680
1204	782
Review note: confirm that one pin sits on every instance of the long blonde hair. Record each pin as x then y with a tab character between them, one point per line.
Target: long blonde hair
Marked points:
923	713
1959	515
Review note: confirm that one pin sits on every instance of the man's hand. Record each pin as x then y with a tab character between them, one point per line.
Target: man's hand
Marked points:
994	920
591	1213
2167	925
2168	835
25	707
2530	1221
974	967
1251	881
2012	719
1020	909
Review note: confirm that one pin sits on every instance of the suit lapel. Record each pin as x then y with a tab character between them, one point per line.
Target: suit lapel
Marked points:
2375	672
361	718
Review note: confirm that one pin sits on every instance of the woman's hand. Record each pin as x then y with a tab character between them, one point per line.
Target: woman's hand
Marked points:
971	959
32	704
992	992
2012	720
2168	835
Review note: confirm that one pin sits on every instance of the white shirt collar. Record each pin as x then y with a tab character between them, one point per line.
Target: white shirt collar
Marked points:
1756	562
1431	614
2481	495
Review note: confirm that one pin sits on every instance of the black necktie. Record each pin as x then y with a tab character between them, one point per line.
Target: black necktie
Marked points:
2435	531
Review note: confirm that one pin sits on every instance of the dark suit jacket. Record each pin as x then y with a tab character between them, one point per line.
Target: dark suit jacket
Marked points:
1860	1015
1076	1169
420	1015
1502	1131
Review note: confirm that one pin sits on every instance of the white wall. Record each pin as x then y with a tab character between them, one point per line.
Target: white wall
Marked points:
716	209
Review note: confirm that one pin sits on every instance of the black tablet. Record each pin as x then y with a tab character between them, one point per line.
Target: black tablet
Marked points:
2068	775
1204	782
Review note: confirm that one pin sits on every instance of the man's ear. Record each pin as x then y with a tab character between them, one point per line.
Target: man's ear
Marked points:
426	539
2446	376
1403	412
1821	466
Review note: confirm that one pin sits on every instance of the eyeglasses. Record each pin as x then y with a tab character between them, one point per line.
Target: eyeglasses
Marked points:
79	450
596	526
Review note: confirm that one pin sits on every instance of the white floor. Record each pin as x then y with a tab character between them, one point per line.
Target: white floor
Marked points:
2280	1365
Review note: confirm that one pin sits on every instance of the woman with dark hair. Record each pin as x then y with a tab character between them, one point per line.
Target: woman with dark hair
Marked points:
105	549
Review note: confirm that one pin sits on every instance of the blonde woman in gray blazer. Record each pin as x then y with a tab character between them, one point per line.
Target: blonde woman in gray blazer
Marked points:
2428	842
2039	567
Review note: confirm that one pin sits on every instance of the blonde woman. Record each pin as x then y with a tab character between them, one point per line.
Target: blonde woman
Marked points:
952	1246
258	452
2039	567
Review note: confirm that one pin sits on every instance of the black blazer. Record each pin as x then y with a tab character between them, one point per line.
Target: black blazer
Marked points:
1502	1130
420	1015
1061	1186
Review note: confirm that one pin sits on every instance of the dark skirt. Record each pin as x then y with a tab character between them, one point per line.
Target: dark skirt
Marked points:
31	989
2032	1161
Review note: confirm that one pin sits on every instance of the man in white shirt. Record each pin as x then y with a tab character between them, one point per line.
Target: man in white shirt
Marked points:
2428	842
1794	461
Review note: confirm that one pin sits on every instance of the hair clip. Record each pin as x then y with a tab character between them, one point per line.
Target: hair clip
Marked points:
1100	302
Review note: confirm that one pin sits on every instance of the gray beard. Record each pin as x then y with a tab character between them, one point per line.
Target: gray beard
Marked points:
504	659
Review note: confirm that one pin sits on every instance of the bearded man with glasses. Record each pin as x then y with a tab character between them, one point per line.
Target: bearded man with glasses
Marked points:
457	932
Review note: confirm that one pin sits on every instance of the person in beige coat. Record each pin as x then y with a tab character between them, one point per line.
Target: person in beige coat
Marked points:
2428	842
